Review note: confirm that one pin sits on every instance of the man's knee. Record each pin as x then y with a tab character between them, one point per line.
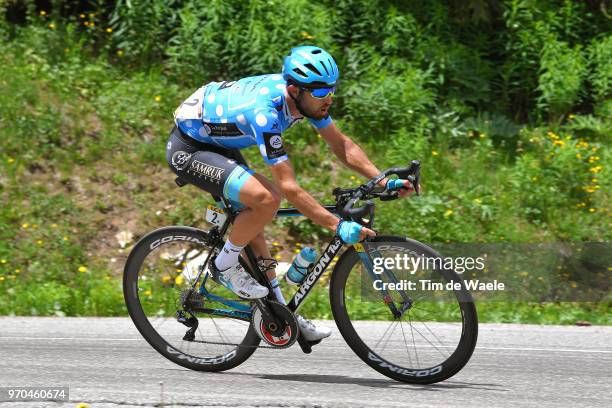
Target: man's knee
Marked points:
268	201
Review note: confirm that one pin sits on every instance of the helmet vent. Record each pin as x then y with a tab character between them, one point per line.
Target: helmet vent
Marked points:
312	68
300	72
331	66
325	67
316	51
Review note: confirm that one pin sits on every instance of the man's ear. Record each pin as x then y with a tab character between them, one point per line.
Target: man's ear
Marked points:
293	90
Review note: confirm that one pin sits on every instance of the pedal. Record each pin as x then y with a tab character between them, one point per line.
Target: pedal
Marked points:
304	344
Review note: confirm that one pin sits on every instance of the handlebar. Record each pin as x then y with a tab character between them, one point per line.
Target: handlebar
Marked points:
411	173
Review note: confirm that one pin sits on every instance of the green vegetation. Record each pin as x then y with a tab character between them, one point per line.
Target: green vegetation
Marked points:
506	103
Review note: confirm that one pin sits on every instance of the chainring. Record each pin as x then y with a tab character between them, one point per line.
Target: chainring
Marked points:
285	315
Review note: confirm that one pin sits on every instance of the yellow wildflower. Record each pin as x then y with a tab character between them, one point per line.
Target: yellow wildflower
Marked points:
157	98
560	143
53	225
166	279
591	210
51	26
120	53
43	13
65	238
595	169
82	269
81	15
109	30
25	225
578	156
39	242
534	178
148	292
10	160
434	153
1	278
306	36
179	280
275	243
448	213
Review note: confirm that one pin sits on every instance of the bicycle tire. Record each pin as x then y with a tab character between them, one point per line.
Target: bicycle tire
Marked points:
133	265
427	375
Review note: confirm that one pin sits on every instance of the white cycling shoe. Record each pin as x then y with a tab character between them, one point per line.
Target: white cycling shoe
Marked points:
236	279
310	331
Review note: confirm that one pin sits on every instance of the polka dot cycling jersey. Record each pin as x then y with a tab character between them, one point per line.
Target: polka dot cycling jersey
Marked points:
238	114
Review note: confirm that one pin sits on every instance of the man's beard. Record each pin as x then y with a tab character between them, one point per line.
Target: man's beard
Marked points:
313	114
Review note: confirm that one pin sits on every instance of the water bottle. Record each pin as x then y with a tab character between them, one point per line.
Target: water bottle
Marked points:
299	267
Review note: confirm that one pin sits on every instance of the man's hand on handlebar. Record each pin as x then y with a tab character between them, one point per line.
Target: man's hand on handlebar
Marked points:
405	190
351	232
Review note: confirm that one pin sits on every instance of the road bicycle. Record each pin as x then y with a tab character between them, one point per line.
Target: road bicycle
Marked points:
410	335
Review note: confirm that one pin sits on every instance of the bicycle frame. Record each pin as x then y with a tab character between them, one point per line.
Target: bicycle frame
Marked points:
241	311
332	249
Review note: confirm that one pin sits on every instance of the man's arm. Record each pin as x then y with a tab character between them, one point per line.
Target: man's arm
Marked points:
349	152
284	177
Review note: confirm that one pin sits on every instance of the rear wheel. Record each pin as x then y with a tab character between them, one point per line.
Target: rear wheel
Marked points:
432	334
157	280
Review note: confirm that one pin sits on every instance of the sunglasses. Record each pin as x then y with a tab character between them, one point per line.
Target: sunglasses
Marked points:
321	93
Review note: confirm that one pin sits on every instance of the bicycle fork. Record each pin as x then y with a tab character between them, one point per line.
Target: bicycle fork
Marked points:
366	259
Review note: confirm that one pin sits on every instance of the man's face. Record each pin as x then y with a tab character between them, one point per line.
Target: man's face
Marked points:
314	107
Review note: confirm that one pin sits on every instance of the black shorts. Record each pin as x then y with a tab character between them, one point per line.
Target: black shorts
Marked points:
220	171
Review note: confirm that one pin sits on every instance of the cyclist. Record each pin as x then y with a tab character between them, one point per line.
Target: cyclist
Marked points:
222	117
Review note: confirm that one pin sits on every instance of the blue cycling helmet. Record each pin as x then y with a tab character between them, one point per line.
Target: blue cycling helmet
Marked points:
310	67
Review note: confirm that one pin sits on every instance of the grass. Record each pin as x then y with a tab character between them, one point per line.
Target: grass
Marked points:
83	158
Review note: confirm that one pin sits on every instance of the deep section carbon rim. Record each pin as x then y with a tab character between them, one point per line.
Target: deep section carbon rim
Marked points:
158	280
432	338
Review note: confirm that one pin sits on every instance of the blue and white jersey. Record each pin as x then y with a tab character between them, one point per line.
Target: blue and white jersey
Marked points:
238	114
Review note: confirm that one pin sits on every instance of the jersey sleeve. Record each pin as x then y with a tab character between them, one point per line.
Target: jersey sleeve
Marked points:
320	124
266	128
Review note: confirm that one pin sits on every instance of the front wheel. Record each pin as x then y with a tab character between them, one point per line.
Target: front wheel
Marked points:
417	335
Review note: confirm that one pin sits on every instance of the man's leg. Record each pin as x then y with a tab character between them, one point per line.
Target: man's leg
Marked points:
261	204
262	199
258	243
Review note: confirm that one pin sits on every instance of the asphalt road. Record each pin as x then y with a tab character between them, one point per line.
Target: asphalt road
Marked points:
106	363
